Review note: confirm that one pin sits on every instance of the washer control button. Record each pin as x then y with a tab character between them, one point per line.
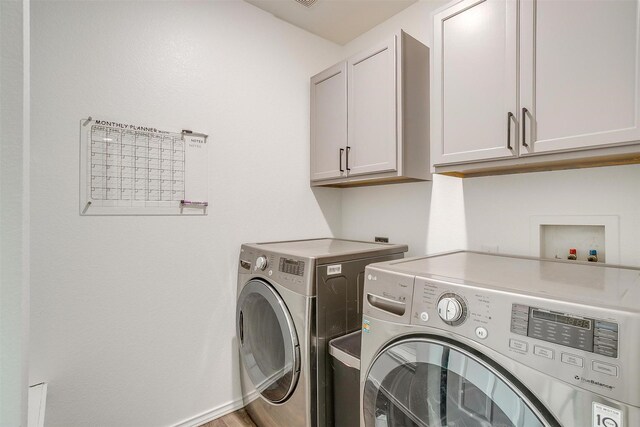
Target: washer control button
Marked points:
571	359
482	332
518	345
424	316
543	352
604	368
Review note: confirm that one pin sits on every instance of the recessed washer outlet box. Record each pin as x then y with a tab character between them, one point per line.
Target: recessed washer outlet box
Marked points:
553	236
556	240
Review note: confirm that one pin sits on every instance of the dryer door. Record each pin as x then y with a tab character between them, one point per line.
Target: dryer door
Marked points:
432	383
268	341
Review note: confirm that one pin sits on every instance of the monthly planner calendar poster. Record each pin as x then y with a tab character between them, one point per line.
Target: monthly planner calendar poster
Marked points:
129	169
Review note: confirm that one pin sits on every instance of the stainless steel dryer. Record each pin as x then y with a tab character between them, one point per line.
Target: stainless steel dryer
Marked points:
293	297
478	340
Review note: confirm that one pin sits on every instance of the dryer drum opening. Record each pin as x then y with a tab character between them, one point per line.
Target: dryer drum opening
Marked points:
268	341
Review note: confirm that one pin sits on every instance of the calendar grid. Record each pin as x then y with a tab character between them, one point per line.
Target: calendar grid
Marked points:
132	165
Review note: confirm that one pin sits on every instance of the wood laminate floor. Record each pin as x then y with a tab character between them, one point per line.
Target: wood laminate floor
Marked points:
235	419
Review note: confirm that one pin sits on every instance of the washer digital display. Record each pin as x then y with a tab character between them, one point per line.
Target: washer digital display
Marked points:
578	322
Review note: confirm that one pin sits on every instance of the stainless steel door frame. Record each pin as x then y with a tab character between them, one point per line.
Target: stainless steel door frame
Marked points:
454	374
300	408
256	361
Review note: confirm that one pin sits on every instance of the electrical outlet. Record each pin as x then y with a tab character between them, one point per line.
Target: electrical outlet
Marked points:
490	249
381	239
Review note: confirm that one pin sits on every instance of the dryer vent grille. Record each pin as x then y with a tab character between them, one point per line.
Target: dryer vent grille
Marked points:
307	3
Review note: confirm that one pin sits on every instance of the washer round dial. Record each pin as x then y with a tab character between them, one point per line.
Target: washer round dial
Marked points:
452	309
261	262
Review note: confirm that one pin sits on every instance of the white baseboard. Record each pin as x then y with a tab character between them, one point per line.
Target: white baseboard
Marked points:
211	414
250	397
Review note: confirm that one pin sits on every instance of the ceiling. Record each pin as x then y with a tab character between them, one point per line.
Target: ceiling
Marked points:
337	20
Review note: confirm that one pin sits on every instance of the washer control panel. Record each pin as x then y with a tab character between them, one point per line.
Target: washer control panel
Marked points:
579	348
439	306
583	333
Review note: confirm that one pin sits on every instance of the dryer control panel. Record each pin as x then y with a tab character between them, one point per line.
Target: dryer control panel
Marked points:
290	272
291	266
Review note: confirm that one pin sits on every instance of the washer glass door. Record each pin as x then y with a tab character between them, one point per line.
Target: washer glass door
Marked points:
430	383
268	341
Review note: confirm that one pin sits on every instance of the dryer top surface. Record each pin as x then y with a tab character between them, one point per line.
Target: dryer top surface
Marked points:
330	249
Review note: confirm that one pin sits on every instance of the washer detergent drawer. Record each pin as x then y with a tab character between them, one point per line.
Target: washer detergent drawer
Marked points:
387	296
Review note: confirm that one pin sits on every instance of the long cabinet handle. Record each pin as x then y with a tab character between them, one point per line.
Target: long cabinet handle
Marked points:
524	126
340	159
348	150
509	117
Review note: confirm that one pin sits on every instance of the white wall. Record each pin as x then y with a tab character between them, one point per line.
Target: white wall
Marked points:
498	209
428	216
133	317
14	321
479	213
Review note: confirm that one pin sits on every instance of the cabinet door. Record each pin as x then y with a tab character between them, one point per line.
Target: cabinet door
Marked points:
329	123
579	74
475	83
372	110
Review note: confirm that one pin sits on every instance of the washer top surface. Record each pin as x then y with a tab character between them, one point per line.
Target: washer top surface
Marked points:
582	283
329	249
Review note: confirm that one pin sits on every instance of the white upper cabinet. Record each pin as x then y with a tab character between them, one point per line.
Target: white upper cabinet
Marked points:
579	73
475	87
535	85
372	110
329	122
370	117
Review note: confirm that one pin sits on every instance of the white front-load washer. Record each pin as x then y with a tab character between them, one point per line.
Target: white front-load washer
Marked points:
293	297
479	340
